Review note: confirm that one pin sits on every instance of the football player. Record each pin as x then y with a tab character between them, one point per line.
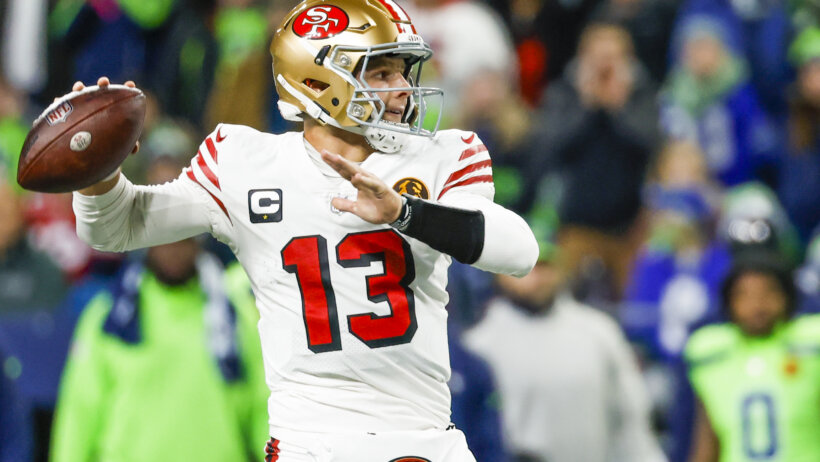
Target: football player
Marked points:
349	275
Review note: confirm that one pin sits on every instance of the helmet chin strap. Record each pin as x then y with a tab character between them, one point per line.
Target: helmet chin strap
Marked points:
383	139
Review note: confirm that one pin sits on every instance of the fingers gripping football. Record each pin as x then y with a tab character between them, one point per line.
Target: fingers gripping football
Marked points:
376	202
104	82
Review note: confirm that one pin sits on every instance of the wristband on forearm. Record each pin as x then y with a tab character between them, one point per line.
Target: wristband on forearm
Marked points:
403	220
456	232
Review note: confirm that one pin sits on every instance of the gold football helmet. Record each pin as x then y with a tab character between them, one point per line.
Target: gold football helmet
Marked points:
324	46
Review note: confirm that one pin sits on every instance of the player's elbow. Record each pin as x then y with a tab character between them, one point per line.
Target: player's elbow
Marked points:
523	255
109	247
511	251
527	256
98	239
507	244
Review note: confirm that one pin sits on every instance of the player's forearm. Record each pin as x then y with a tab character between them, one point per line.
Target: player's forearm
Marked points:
102	219
129	217
455	231
509	245
476	231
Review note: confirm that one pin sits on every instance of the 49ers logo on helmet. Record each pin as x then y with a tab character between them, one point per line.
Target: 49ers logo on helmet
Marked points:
410	459
320	22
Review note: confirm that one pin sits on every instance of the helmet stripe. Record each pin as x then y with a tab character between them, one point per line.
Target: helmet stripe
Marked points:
406	28
399	15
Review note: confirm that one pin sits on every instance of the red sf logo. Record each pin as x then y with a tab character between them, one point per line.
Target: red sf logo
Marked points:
320	22
410	459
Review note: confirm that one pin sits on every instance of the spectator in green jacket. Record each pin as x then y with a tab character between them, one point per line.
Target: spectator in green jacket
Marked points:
757	377
167	367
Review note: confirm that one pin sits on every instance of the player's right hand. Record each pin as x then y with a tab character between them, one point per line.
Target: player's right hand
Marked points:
107	184
104	82
375	203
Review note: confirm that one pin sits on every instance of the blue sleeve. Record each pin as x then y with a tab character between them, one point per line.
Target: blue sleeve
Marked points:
640	310
681	414
475	404
650	274
757	134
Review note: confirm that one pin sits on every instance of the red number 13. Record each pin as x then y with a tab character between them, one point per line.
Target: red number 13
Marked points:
306	257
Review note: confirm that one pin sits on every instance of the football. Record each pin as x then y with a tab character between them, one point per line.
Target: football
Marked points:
81	138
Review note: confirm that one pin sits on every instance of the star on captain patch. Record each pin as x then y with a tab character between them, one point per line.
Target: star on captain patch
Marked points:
413	187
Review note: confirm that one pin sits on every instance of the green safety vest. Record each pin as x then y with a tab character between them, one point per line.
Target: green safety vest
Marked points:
164	398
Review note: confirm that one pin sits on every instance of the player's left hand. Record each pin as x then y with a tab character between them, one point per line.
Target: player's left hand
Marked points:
376	202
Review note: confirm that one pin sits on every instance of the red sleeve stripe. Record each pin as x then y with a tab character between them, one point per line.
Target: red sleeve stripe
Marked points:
470	152
218	202
209	174
468	169
209	143
468	181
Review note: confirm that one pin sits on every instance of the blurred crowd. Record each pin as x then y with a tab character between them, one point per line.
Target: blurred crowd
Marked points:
654	145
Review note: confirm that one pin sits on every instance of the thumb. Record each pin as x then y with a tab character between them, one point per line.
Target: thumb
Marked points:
345	205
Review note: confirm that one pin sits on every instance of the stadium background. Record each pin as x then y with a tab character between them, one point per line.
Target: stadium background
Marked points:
643	181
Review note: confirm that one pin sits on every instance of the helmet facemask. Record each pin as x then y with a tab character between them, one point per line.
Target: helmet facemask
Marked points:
367	109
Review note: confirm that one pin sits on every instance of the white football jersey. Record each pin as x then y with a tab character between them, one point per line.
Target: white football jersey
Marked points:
353	324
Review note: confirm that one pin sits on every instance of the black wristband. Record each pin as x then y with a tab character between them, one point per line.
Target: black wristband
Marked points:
456	232
404	216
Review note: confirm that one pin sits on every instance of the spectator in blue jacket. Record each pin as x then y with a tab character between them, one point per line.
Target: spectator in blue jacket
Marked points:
709	98
800	172
676	278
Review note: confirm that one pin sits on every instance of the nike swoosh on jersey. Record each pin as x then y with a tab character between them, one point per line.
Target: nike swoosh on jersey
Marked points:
219	136
468	140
